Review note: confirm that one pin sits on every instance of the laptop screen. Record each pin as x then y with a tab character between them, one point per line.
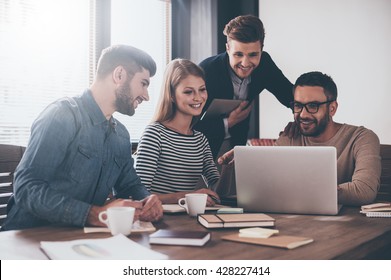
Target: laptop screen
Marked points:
294	180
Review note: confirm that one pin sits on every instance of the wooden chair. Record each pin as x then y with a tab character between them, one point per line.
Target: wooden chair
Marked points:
384	193
10	156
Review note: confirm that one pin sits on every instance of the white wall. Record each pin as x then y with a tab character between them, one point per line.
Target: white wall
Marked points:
350	40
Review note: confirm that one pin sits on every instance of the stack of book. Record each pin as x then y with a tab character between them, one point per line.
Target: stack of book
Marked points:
377	210
251	231
236	220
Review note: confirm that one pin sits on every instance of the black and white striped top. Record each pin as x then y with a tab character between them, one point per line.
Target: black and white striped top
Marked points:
168	161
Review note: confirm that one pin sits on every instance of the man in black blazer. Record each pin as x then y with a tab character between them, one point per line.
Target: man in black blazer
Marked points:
242	72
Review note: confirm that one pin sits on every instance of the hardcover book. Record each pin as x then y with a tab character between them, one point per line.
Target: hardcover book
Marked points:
171	237
376	207
236	220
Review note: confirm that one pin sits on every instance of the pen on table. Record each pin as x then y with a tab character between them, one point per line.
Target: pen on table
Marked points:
215	199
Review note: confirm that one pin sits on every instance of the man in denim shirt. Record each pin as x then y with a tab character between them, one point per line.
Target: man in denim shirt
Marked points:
78	154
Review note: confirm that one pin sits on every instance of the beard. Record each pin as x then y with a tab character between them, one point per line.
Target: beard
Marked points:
124	100
317	126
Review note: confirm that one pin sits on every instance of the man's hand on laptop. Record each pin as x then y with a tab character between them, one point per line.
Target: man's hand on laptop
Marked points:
227	158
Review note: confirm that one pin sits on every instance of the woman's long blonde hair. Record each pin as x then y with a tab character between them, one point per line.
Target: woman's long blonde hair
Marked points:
176	71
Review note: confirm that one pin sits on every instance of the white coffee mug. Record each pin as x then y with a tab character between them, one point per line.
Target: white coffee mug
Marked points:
194	203
118	219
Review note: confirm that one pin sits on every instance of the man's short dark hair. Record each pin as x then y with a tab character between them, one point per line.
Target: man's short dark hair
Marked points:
131	58
245	29
319	79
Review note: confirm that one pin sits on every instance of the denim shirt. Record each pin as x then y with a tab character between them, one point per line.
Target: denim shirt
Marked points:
74	159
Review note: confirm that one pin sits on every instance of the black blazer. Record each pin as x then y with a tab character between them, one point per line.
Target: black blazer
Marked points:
219	85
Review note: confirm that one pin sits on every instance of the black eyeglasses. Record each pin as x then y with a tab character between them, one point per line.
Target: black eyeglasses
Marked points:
311	107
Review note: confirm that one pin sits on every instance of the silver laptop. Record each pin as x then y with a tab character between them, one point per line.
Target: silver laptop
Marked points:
294	180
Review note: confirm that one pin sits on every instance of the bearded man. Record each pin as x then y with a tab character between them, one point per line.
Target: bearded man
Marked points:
79	156
358	149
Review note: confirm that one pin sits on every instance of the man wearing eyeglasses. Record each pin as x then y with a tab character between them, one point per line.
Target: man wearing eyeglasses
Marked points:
358	149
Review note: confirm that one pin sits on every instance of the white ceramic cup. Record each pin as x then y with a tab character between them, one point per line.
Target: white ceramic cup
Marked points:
194	203
118	219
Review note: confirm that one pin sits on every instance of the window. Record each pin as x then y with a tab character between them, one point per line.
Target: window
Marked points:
144	24
44	56
47	52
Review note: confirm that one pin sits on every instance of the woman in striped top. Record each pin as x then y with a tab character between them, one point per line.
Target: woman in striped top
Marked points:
171	156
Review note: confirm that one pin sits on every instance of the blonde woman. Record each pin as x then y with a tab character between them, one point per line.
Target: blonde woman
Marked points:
171	155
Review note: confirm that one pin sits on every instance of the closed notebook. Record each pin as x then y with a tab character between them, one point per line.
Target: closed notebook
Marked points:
280	241
378	214
375	206
176	237
236	220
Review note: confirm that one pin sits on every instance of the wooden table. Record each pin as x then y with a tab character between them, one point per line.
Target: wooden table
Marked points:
350	235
